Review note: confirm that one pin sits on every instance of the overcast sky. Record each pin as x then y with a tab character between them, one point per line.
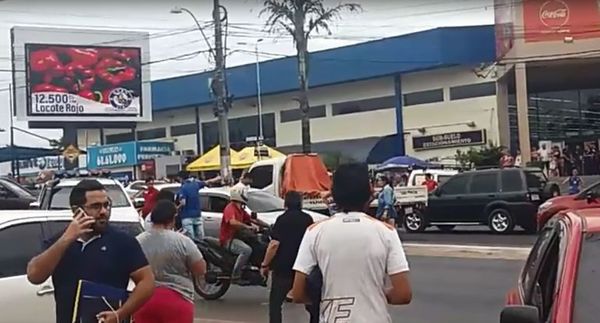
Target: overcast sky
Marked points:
174	35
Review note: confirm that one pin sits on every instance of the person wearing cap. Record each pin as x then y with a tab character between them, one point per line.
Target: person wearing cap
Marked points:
363	264
236	220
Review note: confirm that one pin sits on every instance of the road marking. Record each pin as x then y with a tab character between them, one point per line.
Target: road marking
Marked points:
466	251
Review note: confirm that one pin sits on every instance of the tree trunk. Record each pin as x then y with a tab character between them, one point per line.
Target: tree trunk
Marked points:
302	55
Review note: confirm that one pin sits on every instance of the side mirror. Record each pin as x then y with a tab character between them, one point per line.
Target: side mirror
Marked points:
34	205
520	314
138	203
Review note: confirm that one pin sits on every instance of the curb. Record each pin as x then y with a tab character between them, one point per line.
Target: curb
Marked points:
466	251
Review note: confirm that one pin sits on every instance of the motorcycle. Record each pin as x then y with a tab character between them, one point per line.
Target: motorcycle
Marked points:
220	261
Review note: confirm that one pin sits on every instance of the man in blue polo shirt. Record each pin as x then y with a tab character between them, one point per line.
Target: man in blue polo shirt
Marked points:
89	249
188	195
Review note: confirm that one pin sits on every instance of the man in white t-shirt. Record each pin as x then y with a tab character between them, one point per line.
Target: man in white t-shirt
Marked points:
544	154
362	260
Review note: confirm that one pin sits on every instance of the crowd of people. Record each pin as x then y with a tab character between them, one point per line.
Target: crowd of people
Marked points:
557	162
308	262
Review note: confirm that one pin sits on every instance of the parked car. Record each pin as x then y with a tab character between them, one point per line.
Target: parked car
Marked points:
138	186
588	198
214	200
13	196
560	279
26	230
55	195
499	198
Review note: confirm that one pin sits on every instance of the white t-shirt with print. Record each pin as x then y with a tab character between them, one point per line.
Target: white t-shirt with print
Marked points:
356	254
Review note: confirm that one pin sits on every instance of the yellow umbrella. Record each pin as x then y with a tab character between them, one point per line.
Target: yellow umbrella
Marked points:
211	160
247	156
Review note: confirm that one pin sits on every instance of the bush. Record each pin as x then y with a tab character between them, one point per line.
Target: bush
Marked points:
485	156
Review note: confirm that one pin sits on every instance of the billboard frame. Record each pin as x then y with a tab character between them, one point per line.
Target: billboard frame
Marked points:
21	36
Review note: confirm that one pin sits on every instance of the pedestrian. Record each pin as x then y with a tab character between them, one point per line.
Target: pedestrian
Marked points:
386	201
190	213
91	249
149	195
356	255
544	157
575	182
235	225
506	160
163	195
176	263
281	253
430	183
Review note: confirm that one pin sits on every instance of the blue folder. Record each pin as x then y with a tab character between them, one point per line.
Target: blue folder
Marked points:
93	298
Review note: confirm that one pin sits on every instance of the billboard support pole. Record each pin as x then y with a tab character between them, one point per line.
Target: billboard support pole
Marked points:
222	102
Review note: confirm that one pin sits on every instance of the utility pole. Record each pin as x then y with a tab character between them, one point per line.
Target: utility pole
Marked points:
222	102
14	162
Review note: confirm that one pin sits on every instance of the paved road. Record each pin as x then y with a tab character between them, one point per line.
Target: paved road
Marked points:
470	235
449	290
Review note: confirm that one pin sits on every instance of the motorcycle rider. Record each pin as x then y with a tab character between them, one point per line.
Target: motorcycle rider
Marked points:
237	222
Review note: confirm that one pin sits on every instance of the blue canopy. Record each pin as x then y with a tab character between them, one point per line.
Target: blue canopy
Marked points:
20	153
405	162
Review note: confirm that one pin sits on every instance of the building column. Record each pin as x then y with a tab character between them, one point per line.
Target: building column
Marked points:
523	111
502	112
400	145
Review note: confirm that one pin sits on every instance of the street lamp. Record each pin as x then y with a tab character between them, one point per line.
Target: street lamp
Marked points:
180	10
258	89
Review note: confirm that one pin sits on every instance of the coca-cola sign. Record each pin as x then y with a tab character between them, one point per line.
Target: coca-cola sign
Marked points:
554	14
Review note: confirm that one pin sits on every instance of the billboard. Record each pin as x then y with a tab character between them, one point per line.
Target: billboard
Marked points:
552	20
76	75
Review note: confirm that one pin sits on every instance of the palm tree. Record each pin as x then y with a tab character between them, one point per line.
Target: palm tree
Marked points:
300	18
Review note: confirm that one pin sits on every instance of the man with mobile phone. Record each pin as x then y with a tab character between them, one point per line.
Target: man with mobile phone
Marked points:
89	249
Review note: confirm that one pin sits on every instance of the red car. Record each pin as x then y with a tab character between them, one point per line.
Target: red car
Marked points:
561	278
588	198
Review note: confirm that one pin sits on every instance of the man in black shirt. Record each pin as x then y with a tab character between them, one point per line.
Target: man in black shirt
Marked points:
90	249
287	234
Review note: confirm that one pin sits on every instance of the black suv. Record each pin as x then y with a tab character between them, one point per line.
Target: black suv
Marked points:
499	198
13	196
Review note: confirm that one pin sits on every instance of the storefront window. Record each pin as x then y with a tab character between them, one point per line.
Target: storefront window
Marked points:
569	119
239	130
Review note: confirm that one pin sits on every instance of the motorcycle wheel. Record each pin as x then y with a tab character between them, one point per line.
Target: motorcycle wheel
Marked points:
211	291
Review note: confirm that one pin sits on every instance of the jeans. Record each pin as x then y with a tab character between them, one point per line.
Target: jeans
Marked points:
280	286
243	251
193	227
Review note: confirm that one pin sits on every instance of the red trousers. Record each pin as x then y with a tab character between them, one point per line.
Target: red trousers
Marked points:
165	306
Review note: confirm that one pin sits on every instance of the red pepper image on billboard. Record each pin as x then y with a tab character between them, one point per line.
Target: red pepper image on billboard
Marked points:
96	80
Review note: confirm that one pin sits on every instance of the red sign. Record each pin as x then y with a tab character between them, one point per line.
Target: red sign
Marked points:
548	20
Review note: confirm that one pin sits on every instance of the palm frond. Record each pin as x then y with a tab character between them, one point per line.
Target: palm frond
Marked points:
324	16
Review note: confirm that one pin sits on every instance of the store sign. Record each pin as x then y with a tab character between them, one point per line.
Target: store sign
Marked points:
152	150
126	154
551	20
35	165
452	139
116	155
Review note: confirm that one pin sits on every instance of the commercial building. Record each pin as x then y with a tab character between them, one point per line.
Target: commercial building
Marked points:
432	86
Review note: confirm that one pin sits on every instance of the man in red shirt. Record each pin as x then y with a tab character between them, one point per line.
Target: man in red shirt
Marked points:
150	195
236	218
430	183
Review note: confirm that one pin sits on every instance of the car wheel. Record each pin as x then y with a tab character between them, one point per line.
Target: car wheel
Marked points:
446	228
501	221
415	222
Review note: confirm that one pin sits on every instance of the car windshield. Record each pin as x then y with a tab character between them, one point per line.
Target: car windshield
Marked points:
17	189
59	198
535	179
588	281
259	201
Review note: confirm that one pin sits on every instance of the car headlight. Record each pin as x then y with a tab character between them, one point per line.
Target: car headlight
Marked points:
545	206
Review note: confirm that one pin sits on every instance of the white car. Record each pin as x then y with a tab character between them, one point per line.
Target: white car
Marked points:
55	195
138	186
214	200
22	235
